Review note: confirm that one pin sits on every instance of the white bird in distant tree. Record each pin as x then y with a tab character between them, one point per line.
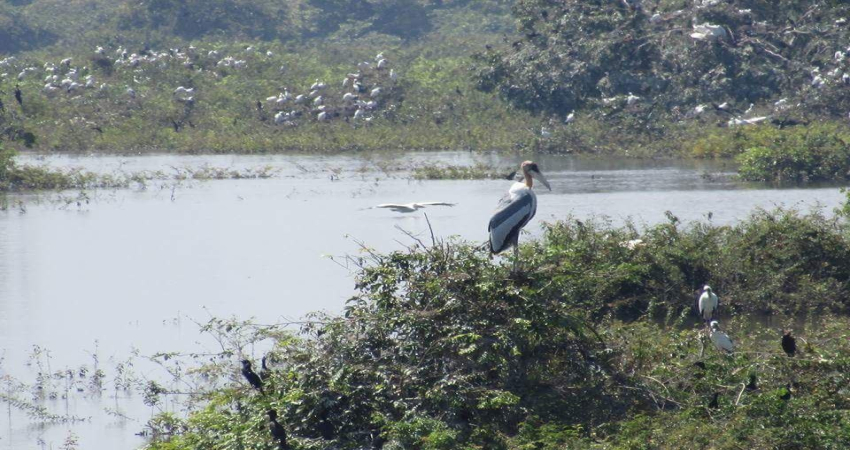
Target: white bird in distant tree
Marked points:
410	207
707	303
721	340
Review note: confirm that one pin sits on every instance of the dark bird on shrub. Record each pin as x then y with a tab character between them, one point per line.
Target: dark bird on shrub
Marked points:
713	404
265	372
2	106
277	431
789	343
752	385
19	96
251	376
515	211
377	440
786	393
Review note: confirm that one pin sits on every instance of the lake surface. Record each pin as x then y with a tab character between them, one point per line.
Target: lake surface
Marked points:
130	269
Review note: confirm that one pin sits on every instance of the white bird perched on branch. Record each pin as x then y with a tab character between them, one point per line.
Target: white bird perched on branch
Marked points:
707	303
393	75
410	207
721	340
708	32
382	64
515	211
375	92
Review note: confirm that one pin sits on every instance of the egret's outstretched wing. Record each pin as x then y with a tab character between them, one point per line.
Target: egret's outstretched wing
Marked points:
436	203
511	216
397	207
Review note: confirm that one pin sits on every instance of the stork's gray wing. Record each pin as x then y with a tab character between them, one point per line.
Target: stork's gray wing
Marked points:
511	216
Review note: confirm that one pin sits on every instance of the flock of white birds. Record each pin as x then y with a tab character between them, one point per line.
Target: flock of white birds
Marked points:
363	91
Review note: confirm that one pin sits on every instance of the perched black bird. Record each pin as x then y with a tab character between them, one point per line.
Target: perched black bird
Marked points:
251	376
786	394
19	96
377	440
2	107
326	429
259	106
713	403
265	372
752	385
278	433
789	343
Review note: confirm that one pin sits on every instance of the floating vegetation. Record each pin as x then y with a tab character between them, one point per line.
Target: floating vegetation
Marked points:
452	172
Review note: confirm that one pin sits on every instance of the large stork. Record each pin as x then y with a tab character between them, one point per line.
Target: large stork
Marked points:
515	210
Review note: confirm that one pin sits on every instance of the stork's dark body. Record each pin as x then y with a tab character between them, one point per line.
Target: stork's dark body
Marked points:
515	212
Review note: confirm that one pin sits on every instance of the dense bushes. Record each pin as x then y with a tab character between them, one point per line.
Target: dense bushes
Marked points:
815	153
593	56
441	349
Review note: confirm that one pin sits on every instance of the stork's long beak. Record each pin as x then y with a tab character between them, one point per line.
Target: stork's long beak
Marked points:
539	177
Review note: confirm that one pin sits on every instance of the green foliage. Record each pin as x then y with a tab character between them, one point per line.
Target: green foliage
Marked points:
815	153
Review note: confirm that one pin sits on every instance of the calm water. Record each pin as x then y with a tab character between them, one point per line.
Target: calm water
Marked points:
130	268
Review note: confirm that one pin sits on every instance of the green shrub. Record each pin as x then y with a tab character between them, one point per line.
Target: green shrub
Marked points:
814	153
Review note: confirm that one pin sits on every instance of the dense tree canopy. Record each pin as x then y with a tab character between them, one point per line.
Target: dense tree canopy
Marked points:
674	56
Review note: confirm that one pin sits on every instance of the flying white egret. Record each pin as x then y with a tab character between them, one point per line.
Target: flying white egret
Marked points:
515	211
707	303
720	339
410	207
